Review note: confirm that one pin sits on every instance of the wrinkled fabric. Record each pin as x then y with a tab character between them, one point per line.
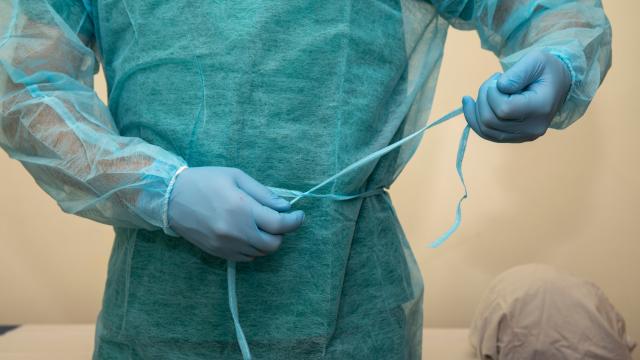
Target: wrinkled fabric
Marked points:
297	195
289	92
53	122
539	312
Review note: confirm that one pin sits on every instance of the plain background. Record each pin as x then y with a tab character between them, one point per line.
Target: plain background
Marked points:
569	199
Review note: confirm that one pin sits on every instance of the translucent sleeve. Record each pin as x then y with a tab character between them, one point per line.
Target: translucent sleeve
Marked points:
577	31
52	121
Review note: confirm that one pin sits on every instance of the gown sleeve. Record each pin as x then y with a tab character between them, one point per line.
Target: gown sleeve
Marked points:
577	31
52	121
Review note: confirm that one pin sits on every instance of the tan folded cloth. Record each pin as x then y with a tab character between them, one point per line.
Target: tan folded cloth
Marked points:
536	312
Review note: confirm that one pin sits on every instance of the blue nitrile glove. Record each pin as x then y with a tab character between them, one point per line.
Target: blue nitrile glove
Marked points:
226	213
518	106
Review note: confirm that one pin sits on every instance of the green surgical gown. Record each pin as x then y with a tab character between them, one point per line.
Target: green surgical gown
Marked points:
288	91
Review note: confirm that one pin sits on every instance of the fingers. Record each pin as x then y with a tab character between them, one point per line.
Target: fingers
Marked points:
252	244
494	129
269	243
486	117
242	254
270	221
522	113
240	250
252	251
522	74
470	114
275	222
261	193
482	118
509	107
520	104
470	109
239	257
526	114
261	243
266	236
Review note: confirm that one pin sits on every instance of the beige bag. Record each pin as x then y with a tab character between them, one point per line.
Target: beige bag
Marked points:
536	312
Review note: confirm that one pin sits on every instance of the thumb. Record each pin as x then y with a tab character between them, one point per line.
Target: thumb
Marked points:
261	193
521	75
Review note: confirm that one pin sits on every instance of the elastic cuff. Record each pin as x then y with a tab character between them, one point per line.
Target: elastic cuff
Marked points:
567	63
165	207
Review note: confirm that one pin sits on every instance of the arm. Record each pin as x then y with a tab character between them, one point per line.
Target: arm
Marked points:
52	121
576	32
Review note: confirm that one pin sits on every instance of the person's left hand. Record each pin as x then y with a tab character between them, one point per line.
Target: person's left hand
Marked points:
518	106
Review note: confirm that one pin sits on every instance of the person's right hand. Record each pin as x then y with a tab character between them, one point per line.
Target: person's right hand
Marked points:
226	213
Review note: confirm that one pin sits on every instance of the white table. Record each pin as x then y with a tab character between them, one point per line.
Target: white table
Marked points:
75	342
55	342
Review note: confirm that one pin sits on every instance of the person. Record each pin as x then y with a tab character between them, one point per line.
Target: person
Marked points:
212	105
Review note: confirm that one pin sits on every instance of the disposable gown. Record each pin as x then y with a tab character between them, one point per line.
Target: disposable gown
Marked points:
288	91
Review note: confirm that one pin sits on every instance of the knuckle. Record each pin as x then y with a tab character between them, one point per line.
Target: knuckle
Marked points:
236	204
236	172
503	110
514	81
222	229
273	244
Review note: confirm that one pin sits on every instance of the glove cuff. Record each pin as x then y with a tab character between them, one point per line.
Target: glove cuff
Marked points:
165	207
